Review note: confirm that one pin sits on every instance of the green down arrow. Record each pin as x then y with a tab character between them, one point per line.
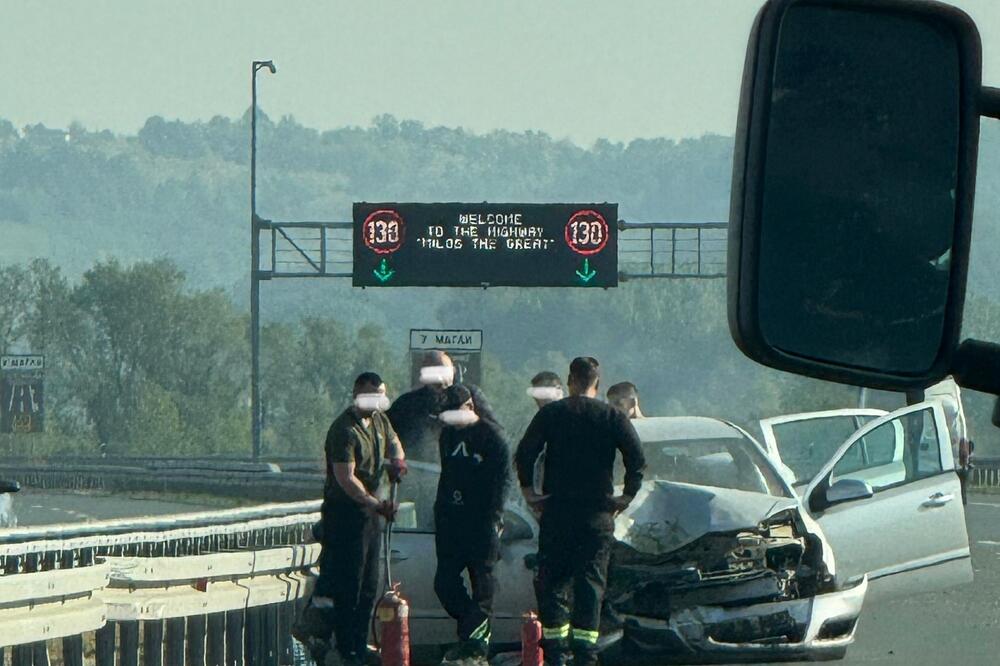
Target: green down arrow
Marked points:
587	274
383	272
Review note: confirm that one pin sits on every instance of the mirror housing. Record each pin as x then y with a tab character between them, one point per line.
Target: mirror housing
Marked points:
811	198
846	490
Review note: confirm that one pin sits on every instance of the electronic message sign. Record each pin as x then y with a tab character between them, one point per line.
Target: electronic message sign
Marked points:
485	245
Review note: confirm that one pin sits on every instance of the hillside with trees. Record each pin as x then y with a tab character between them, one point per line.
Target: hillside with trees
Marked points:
127	259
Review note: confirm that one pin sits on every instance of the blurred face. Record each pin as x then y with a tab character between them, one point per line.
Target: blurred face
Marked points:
543	395
462	416
370	399
438	377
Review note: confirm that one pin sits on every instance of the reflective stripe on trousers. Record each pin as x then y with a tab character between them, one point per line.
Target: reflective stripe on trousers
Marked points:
555	633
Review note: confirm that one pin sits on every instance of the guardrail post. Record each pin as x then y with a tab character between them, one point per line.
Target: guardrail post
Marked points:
235	652
216	649
128	644
196	628
152	643
20	655
269	622
40	653
175	642
286	617
104	647
72	651
254	642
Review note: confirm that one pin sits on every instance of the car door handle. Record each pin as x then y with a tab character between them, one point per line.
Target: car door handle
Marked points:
938	499
397	556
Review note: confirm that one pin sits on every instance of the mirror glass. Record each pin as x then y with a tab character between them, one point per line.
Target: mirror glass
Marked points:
859	207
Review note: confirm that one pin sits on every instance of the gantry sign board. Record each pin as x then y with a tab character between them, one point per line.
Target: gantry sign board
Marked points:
485	245
465	347
22	408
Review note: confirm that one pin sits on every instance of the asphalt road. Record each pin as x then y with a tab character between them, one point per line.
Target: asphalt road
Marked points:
36	507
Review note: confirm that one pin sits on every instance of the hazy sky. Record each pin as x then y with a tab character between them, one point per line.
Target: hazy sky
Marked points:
572	68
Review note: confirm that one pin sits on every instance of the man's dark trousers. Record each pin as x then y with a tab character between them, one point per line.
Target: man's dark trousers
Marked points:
474	551
349	572
574	548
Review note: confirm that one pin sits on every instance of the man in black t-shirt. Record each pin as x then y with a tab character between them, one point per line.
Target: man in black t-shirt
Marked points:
468	515
359	443
581	437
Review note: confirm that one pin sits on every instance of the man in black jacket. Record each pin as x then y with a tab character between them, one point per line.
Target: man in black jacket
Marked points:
468	514
581	437
414	414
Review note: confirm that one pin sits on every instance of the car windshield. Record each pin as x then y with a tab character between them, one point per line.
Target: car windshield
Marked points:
806	445
708	453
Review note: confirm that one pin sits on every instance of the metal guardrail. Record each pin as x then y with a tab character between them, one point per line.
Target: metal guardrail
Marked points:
252	481
985	473
209	588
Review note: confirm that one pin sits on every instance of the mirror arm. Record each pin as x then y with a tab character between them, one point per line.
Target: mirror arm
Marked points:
817	500
976	366
989	102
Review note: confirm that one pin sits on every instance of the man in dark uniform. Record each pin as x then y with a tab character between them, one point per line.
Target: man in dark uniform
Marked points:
468	515
357	443
581	437
414	414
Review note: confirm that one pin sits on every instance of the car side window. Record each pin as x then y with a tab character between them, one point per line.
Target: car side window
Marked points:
898	451
879	445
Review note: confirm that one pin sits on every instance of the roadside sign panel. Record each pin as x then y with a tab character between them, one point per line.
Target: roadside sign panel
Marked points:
22	391
465	348
484	245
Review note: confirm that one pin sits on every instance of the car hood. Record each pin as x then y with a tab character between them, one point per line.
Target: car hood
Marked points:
667	515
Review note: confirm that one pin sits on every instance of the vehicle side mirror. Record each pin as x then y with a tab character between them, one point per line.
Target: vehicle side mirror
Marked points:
853	186
846	490
9	486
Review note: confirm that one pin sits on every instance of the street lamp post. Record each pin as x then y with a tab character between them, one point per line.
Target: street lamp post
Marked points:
255	260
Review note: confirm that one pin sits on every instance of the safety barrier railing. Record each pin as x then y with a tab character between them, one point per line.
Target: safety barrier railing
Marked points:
248	481
210	588
985	473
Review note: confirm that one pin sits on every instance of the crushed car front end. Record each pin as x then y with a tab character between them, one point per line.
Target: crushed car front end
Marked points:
709	575
811	628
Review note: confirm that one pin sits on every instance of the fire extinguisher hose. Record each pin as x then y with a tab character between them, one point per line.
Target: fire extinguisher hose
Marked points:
387	585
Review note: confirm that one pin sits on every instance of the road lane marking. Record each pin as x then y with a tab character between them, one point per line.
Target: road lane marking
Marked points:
988	543
985	504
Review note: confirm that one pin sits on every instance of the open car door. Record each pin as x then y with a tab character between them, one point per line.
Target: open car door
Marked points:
803	443
889	502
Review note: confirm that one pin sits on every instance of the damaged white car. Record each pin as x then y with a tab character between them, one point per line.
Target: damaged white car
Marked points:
719	559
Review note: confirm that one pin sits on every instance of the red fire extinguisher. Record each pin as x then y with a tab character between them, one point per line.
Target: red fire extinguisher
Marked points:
394	624
393	612
531	637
